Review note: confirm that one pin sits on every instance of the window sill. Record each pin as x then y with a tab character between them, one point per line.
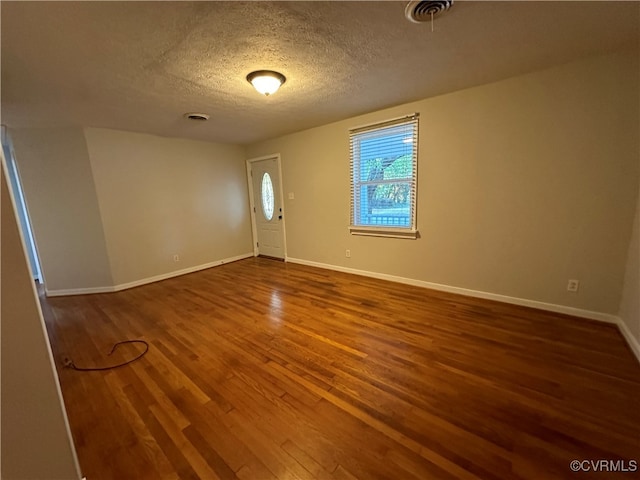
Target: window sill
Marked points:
384	232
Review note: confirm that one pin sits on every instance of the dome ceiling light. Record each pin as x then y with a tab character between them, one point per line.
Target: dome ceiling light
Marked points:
266	82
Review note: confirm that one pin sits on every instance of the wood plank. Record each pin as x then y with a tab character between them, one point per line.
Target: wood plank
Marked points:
266	370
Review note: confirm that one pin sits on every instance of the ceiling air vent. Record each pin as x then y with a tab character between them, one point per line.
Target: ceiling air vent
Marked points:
197	116
425	10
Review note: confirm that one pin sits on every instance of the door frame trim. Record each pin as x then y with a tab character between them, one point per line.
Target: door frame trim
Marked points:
252	203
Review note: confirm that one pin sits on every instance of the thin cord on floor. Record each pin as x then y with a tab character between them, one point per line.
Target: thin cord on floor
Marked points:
68	363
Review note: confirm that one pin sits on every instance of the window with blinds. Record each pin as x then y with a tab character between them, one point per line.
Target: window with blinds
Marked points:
384	167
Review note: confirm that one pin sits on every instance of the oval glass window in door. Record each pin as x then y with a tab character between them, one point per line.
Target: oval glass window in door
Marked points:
267	196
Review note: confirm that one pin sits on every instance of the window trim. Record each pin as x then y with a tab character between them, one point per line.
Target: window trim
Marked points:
411	231
390	232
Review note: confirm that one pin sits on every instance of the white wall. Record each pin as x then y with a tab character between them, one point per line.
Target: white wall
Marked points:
161	197
60	196
523	184
36	442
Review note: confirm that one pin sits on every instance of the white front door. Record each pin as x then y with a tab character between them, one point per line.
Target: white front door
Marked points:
267	207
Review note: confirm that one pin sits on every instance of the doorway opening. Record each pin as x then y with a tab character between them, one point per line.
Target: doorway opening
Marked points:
21	207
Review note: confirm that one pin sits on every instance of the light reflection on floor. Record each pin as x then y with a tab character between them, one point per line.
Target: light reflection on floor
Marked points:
275	308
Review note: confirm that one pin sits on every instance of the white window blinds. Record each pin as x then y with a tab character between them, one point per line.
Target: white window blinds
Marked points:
384	165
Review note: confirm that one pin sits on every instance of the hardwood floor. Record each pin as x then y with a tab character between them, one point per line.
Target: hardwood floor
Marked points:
265	370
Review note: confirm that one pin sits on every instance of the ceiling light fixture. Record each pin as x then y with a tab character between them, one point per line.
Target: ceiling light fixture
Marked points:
266	81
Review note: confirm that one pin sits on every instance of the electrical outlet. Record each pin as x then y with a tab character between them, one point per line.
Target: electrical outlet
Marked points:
347	253
176	258
572	285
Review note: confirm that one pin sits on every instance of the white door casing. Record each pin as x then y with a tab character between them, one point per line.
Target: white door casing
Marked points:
266	206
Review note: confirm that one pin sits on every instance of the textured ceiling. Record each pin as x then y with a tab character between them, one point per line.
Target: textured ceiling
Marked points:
140	65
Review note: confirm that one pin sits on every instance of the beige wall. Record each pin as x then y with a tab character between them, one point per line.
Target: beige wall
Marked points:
164	196
110	208
36	443
523	184
630	305
60	196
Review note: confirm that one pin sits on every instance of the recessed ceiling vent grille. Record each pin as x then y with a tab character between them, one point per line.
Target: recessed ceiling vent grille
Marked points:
199	117
425	10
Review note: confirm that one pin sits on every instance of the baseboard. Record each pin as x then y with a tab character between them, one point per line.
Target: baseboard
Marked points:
77	291
177	273
550	307
576	312
144	281
631	340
